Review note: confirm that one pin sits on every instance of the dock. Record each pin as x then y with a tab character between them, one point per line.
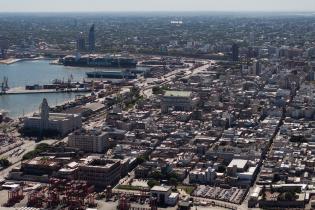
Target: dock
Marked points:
22	90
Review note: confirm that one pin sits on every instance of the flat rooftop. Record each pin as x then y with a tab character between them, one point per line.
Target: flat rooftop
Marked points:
161	188
170	93
239	163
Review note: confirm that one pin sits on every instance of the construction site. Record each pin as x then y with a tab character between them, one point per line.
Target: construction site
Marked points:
59	193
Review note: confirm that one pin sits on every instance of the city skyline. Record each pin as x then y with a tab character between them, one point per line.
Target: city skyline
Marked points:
161	5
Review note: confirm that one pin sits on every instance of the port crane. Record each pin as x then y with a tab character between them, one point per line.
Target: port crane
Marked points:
4	85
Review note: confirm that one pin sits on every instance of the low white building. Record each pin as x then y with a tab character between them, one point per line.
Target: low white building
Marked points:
164	195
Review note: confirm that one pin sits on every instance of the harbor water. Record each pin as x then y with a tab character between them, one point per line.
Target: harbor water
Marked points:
36	72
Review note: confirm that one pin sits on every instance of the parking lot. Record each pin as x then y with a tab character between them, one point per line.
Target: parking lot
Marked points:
232	195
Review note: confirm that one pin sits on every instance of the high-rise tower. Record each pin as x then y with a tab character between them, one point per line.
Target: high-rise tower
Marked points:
92	38
235	52
81	42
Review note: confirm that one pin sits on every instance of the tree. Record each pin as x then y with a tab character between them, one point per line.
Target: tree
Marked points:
156	90
287	196
221	169
5	162
156	175
152	183
173	181
272	190
276	177
141	159
263	192
42	147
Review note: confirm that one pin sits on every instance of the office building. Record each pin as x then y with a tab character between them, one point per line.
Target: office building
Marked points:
101	172
80	42
92	38
94	141
235	52
203	176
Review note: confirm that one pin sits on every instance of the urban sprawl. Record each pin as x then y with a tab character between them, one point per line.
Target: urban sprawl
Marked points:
204	112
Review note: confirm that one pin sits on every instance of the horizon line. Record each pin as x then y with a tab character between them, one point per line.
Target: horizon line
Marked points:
163	11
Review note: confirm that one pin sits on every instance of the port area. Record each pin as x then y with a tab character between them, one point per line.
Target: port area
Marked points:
22	90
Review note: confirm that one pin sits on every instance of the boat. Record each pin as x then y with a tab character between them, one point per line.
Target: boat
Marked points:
125	74
99	61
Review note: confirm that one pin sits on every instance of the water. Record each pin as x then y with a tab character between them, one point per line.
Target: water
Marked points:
19	105
36	72
39	72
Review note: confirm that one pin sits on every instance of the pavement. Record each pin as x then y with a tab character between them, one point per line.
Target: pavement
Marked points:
28	146
146	88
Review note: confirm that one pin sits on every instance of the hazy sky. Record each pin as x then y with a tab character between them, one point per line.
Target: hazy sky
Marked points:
156	5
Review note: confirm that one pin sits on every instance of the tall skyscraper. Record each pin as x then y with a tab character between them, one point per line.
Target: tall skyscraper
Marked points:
80	42
92	38
4	45
257	67
251	38
235	52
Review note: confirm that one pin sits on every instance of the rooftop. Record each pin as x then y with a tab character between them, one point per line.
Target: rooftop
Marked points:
161	188
238	162
177	93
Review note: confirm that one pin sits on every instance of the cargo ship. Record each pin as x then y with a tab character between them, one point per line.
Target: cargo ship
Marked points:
126	74
99	61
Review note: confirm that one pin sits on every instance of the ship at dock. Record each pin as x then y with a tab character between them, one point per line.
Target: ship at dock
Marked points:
124	74
110	61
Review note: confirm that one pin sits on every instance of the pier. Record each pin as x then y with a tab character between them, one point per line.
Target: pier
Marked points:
22	90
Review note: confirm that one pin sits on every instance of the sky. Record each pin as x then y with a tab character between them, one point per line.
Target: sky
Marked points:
154	5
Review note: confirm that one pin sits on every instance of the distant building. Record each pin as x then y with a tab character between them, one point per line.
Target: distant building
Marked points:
177	101
81	42
52	122
4	45
89	140
92	38
235	52
257	68
252	38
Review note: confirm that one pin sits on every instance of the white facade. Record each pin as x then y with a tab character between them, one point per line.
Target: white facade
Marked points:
164	195
202	176
60	122
90	141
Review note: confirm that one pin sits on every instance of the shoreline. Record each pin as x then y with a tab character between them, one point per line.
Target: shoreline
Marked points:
10	61
19	90
29	114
